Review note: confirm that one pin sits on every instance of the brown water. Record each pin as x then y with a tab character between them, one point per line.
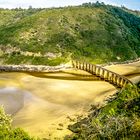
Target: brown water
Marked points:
44	104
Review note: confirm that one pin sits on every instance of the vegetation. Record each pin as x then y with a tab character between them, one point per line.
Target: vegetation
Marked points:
9	133
119	119
93	32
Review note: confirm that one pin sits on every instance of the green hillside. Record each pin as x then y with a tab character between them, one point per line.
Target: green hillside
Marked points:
96	33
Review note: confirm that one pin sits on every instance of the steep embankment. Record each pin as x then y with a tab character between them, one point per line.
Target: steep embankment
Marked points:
96	33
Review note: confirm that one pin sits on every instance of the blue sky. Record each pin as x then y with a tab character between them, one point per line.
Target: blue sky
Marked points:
131	4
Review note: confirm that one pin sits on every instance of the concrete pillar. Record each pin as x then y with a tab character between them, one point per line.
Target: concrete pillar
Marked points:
87	67
96	70
90	68
119	81
82	66
79	65
107	75
93	69
99	71
103	73
122	82
112	78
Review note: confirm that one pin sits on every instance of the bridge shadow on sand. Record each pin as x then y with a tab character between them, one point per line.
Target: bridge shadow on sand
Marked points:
63	75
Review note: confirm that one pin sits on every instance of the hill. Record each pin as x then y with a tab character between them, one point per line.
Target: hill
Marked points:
96	33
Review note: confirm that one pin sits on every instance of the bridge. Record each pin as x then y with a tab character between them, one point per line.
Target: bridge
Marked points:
99	71
107	75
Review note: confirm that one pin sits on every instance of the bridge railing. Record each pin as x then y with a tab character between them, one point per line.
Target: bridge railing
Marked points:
103	73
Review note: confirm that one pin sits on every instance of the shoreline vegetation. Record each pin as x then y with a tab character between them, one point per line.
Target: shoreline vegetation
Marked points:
7	132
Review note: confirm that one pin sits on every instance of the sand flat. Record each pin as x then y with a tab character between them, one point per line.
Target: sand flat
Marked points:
44	104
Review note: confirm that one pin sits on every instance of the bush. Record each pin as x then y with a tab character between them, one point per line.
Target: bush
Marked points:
9	133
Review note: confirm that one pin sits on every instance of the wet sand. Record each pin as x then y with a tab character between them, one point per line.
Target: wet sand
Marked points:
45	103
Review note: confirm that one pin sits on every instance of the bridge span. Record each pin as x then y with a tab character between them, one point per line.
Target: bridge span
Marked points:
103	73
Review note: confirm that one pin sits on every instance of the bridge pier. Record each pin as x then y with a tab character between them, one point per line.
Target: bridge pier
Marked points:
120	82
102	73
88	67
106	75
98	71
115	79
112	78
93	69
85	66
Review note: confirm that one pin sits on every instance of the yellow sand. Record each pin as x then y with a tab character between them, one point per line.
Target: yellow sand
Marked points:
44	104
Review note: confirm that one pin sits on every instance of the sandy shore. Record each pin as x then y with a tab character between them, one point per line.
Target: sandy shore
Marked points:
44	104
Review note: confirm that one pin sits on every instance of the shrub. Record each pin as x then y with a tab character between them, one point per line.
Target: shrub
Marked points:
9	133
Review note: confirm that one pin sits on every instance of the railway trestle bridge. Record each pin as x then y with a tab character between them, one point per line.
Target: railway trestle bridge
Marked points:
107	75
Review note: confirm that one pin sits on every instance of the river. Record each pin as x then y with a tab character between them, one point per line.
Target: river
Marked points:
44	104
